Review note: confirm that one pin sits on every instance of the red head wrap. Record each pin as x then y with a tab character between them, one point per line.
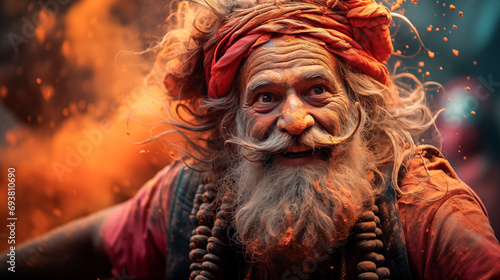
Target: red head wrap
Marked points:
355	30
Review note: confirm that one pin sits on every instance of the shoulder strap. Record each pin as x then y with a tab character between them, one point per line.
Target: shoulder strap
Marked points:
179	226
395	253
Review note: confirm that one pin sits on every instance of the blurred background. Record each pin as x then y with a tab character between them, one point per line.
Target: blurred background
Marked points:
69	80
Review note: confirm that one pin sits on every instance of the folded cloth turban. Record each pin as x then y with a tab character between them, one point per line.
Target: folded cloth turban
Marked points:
357	31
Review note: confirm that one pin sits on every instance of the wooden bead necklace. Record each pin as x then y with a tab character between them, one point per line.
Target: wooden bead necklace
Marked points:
209	241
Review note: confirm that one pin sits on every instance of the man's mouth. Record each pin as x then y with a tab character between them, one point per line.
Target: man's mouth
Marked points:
297	155
301	154
298	151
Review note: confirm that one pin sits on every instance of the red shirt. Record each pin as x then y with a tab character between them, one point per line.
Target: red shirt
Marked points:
446	228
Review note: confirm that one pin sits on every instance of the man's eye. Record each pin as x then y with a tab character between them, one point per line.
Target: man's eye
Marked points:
318	90
266	98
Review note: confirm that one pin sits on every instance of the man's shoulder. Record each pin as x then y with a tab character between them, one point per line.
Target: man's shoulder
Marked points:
169	175
169	171
176	182
429	177
165	182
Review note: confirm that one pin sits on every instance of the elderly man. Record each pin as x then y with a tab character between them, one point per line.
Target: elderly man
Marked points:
305	166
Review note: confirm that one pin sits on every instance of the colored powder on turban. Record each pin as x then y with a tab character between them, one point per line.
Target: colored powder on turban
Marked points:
356	31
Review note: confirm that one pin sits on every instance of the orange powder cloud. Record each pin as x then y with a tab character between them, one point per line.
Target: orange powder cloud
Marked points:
85	160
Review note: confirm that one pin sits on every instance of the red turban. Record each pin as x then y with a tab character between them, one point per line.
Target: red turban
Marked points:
357	31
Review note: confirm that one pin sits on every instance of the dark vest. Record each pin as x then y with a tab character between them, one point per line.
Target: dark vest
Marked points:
180	227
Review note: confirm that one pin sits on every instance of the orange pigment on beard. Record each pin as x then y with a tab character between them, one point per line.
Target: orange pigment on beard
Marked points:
286	240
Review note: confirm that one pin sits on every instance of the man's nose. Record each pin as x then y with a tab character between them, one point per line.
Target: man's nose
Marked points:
295	117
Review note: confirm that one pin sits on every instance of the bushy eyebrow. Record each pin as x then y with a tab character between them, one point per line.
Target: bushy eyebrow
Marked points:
322	75
325	79
256	85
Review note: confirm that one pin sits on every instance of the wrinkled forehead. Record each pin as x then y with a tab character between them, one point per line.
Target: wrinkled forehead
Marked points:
285	52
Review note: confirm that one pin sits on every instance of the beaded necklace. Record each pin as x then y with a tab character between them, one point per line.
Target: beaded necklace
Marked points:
209	240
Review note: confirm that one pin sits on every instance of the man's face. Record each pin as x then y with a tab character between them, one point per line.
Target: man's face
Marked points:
293	85
296	185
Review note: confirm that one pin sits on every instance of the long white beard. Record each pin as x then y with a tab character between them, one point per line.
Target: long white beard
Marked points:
293	211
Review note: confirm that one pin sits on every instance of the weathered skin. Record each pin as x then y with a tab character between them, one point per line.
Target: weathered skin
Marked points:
292	85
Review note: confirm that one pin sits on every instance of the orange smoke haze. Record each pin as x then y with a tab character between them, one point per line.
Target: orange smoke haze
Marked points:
72	142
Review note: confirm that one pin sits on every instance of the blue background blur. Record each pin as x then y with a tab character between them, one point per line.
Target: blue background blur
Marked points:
469	141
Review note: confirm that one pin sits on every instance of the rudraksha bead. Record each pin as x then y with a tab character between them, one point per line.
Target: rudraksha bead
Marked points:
210	267
215	247
213	259
367	216
194	274
378	245
365	226
366	246
196	255
365	276
223	215
209	196
195	266
208	275
196	204
383	273
219	232
365	236
378	259
198	241
366	266
210	187
205	215
203	230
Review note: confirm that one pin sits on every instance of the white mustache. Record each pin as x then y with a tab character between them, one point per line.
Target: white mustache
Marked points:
279	142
